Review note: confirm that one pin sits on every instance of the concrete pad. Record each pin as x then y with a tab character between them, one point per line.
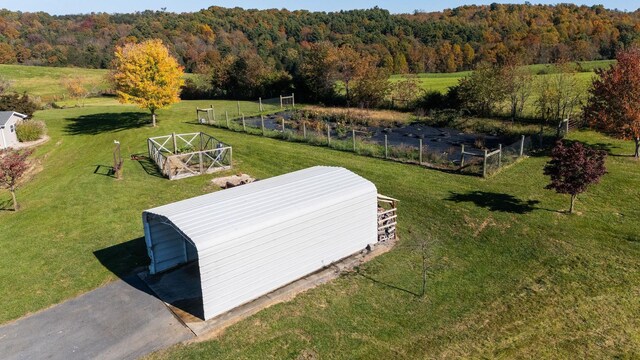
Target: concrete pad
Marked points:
121	320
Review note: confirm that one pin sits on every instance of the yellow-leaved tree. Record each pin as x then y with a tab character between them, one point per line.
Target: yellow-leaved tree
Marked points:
146	74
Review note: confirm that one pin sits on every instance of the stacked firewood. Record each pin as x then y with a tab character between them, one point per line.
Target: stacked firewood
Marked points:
386	225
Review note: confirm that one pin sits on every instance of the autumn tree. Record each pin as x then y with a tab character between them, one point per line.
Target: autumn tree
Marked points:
316	70
614	99
348	66
146	74
484	90
406	91
13	164
573	167
76	87
372	84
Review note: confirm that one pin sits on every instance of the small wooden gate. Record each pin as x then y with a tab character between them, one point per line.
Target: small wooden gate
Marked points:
387	218
184	155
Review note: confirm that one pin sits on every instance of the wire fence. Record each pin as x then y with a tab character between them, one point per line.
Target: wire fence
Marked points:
222	116
465	159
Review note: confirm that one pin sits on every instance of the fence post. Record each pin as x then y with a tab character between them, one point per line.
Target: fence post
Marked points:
567	126
282	125
175	143
244	125
353	137
386	148
213	110
522	146
328	135
280	101
420	155
262	122
197	116
500	156
260	100
304	130
201	164
484	165
293	100
461	156
238	108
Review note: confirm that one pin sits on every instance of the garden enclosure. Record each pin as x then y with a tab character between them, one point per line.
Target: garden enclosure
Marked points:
183	155
440	148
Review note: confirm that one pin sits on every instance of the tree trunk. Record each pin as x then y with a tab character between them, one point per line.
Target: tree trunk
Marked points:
346	87
637	153
573	201
153	117
15	202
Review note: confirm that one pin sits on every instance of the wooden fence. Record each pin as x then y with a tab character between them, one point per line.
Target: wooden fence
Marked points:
184	155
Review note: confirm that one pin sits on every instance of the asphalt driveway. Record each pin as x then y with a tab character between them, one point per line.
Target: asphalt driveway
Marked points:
121	320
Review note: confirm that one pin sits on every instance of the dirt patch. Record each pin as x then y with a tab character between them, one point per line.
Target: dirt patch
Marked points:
232	181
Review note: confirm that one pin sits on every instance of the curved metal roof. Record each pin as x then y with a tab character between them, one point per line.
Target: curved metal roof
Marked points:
210	221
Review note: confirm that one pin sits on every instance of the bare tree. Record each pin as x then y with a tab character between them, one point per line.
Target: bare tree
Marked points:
518	83
559	94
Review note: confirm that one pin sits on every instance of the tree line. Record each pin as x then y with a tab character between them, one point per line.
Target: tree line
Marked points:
447	41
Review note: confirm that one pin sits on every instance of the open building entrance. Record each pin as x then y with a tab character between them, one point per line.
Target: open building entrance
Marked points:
174	271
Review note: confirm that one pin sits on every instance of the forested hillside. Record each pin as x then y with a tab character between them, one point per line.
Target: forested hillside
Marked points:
446	41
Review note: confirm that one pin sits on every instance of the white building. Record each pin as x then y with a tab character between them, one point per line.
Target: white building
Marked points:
256	238
8	122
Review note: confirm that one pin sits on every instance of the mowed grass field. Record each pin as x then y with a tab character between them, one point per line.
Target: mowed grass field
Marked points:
45	82
509	275
443	81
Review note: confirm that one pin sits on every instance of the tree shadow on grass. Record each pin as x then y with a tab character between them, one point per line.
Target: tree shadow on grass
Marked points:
495	201
387	285
608	148
93	124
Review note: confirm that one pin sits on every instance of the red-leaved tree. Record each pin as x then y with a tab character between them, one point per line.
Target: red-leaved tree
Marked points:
573	167
614	102
13	164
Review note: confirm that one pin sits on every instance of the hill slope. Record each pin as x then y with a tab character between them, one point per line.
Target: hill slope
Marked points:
447	41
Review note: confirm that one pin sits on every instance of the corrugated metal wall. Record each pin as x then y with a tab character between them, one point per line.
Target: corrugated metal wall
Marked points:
263	250
167	248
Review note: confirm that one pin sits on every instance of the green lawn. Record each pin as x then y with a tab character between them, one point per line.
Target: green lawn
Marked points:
443	81
45	82
509	275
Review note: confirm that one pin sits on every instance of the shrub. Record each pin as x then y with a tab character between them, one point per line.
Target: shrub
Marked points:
30	130
23	104
435	100
197	88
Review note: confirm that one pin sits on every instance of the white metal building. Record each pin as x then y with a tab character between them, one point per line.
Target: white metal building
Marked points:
256	238
8	122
